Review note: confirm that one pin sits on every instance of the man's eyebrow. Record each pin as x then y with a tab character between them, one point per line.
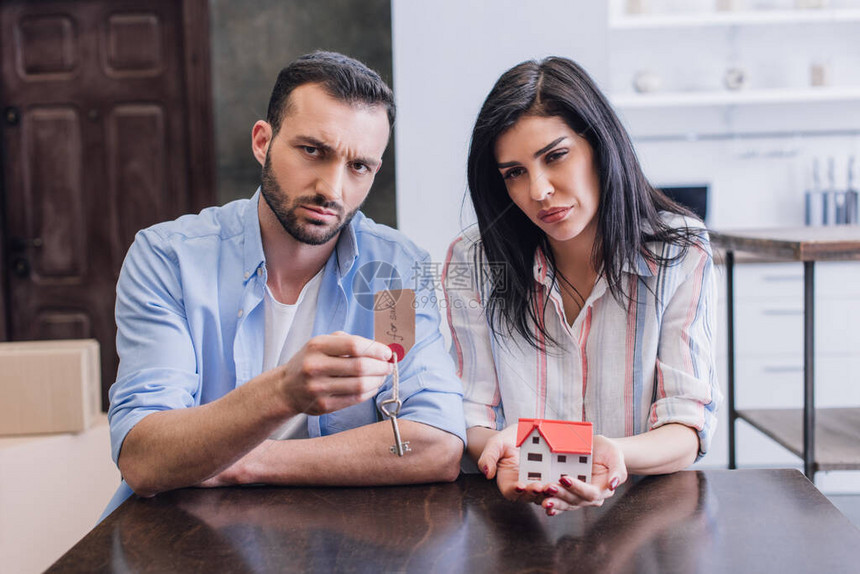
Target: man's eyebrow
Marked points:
314	142
371	163
538	153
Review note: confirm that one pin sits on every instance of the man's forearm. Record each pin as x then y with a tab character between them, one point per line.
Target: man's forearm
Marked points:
182	447
357	457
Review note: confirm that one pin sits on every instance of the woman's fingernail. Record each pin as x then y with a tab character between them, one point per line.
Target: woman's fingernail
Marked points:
485	469
549	505
520	489
614	484
565	481
551	490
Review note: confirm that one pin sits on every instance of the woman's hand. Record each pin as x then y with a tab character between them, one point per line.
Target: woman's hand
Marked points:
608	470
500	459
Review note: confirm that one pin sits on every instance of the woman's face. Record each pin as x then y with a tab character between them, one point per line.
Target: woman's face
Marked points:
550	174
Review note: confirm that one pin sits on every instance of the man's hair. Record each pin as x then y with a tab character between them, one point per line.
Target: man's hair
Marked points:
342	77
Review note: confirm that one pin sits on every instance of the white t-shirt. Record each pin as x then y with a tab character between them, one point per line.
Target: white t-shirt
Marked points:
288	328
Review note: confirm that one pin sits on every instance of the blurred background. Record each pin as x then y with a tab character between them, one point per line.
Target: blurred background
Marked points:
118	114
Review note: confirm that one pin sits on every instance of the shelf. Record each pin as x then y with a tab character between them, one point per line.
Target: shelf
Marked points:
741	97
837	434
745	18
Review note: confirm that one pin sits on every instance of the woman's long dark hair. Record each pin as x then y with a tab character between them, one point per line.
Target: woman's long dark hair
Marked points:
627	215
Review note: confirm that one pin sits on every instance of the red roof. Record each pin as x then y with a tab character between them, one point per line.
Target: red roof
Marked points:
561	436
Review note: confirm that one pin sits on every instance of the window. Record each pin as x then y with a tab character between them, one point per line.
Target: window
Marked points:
562	458
583	459
535	440
535	456
581	477
534	476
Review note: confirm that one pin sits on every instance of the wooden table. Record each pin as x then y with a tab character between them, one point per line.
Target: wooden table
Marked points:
691	521
839	429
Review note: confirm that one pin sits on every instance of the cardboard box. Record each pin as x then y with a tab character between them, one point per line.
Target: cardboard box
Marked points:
49	386
53	488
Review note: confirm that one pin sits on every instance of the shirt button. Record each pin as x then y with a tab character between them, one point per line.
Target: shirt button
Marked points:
247	275
241	312
260	271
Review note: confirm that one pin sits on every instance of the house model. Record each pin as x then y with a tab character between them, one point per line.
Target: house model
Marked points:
552	449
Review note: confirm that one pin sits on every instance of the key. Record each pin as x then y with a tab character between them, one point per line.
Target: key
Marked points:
400	447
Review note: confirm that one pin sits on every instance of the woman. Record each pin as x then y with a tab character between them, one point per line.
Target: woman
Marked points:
593	295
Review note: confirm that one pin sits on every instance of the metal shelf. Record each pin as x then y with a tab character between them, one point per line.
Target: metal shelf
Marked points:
740	18
837	433
741	97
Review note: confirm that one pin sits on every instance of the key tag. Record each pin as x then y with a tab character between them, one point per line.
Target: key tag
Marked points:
394	320
394	325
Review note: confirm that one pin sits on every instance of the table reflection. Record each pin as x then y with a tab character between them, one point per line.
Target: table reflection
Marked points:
654	524
295	529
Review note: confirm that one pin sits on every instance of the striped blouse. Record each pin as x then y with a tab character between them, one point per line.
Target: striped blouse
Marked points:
627	368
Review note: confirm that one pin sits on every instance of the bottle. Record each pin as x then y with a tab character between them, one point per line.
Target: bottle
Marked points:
831	211
815	198
852	196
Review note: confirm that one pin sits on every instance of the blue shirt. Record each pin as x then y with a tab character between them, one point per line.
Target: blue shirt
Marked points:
190	320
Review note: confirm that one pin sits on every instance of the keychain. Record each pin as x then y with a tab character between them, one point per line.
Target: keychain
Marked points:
394	325
399	447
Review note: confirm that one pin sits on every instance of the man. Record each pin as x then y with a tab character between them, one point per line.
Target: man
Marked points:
247	321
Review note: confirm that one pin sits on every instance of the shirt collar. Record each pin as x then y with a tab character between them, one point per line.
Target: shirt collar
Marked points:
254	258
346	249
541	268
347	245
640	266
543	274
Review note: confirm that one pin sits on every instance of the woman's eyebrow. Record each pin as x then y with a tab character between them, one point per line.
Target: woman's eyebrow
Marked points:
538	153
549	146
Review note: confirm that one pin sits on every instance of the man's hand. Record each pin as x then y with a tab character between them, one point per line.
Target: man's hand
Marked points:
332	372
240	471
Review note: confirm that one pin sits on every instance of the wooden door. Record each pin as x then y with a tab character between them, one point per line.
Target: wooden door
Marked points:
101	138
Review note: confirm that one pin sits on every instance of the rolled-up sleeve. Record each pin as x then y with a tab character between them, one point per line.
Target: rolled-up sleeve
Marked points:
687	388
471	342
157	369
429	387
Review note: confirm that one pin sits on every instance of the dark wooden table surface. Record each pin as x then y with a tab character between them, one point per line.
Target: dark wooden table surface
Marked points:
692	521
831	243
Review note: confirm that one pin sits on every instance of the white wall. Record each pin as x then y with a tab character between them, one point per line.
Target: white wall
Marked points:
447	56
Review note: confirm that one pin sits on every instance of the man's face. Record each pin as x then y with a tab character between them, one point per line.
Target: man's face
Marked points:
318	169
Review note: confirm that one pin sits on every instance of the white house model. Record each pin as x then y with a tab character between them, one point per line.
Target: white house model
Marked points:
552	449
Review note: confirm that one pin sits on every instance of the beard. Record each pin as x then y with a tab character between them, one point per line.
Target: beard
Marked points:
312	232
